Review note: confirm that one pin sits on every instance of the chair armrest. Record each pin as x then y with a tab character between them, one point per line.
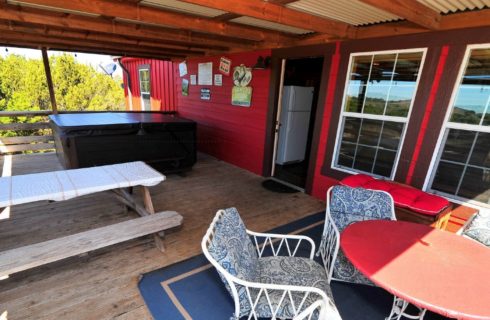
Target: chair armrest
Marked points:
283	240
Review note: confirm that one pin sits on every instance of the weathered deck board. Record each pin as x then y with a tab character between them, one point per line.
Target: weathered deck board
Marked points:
104	284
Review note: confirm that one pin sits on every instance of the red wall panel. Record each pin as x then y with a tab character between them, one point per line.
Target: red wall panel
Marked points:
161	83
230	133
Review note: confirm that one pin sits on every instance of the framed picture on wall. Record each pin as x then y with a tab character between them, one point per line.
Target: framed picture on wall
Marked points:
185	87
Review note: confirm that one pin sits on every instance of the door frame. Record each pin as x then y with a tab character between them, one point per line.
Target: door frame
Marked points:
315	51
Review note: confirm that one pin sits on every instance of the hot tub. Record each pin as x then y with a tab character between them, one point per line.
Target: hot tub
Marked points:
166	142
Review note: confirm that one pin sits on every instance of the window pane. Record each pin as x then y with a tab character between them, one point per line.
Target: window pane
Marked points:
481	151
486	120
351	129
447	177
360	68
384	162
478	69
407	67
355	97
346	154
476	185
458	145
364	158
144	75
376	97
470	104
390	138
399	100
370	131
382	68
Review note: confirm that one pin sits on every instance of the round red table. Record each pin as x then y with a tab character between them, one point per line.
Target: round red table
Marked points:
430	268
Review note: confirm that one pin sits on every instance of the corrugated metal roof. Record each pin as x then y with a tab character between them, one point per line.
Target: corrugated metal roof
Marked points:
39	6
450	6
269	25
178	6
352	12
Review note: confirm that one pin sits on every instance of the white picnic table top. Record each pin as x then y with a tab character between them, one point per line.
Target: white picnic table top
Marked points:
68	184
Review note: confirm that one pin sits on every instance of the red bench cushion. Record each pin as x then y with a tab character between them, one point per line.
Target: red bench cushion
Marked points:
403	196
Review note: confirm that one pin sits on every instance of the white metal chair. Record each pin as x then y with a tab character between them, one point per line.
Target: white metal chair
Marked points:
477	228
346	205
277	287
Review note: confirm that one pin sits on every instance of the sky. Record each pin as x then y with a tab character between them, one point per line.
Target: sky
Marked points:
85	58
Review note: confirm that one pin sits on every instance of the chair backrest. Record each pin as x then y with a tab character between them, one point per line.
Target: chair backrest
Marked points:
346	205
478	228
228	245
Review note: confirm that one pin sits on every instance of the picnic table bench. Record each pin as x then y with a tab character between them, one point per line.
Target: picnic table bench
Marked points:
67	184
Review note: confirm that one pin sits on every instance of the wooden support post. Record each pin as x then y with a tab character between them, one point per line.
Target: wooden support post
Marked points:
149	207
47	70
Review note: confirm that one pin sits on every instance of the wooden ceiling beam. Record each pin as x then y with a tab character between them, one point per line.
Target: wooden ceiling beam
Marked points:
74	44
62	47
164	35
101	37
142	14
471	19
276	13
411	10
226	16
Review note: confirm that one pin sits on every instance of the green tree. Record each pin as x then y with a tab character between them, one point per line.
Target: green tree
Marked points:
78	87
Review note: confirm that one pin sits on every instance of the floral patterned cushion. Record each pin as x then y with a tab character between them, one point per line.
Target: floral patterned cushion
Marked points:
349	205
479	228
232	248
290	271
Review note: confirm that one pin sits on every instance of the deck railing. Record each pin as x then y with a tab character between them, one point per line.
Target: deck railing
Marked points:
26	132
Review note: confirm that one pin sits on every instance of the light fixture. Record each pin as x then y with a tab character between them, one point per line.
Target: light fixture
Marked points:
262	63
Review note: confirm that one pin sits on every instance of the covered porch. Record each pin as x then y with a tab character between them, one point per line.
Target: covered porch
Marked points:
398	91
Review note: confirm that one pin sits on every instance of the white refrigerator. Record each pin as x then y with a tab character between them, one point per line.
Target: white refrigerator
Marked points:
295	121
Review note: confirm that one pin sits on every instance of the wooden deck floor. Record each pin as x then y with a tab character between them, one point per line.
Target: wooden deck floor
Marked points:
103	285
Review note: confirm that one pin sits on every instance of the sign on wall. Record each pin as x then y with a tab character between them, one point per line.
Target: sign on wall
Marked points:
205	94
193	79
218	80
224	66
205	74
241	96
182	68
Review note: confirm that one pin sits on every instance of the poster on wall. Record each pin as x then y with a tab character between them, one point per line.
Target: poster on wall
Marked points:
182	68
241	96
185	87
193	79
224	66
205	94
205	74
218	80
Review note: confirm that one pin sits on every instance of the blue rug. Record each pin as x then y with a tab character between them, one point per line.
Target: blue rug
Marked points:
192	289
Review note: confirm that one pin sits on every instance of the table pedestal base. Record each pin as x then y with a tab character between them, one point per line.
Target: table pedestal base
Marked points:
398	311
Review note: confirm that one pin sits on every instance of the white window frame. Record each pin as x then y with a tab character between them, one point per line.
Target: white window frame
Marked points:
344	113
140	69
429	178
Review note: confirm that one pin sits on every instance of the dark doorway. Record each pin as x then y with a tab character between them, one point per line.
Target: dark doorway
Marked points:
300	91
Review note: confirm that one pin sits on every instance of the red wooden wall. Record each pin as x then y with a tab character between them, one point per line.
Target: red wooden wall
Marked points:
162	86
230	133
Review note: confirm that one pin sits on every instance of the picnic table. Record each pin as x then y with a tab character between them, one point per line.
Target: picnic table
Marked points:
68	184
